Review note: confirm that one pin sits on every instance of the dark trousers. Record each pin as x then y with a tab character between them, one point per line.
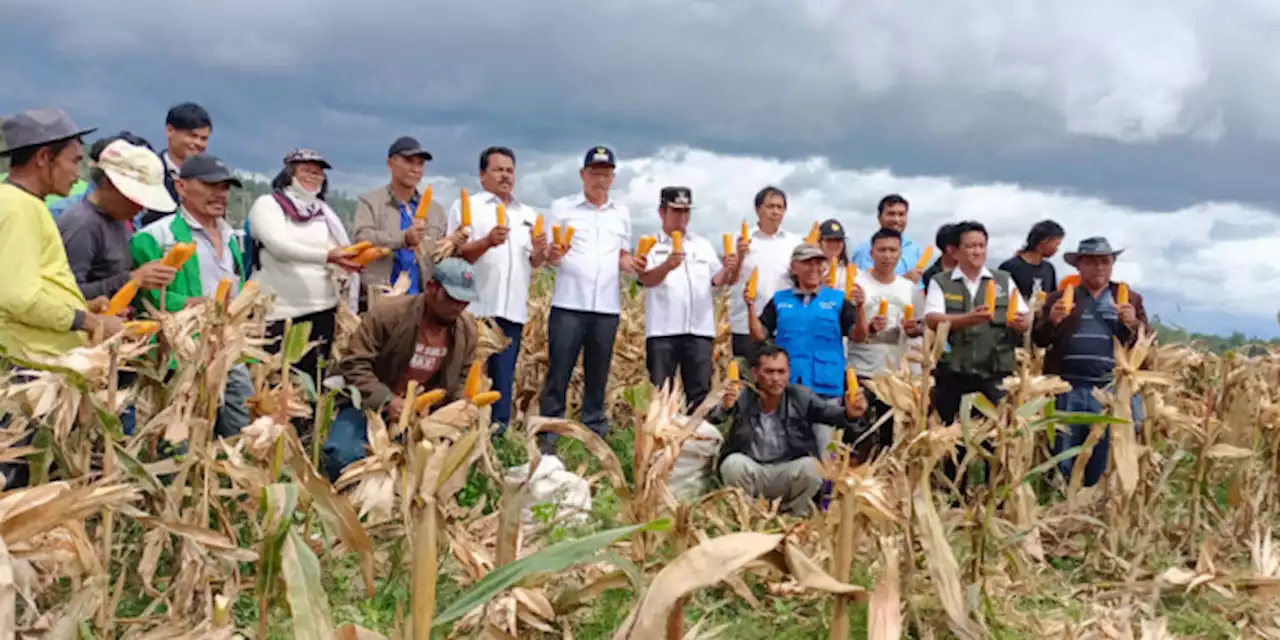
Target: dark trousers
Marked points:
323	326
746	348
502	368
691	355
568	334
949	389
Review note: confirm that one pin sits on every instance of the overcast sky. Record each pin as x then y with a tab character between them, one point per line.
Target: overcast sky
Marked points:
1151	122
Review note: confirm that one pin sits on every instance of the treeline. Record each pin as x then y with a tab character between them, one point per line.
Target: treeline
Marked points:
1237	341
242	199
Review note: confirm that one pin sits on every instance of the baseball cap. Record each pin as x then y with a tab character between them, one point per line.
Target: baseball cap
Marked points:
408	147
599	155
457	278
138	173
208	169
831	230
38	127
677	198
805	251
298	154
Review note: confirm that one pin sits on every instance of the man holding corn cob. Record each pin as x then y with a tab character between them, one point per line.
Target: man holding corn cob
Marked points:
503	260
891	213
1078	332
765	265
591	236
680	319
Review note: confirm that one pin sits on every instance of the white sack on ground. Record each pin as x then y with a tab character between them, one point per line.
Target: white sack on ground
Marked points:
570	492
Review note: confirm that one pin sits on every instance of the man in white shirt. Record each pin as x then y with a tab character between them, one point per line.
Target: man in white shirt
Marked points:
769	251
587	300
680	315
891	213
503	257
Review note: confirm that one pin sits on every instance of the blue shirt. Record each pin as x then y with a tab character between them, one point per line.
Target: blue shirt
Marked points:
911	253
405	259
1090	355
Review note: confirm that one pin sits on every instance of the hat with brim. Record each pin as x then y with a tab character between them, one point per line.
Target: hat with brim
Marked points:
457	278
209	170
805	251
1095	246
831	230
300	155
137	173
37	128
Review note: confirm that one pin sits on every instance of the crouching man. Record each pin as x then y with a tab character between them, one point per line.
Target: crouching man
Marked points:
428	338
773	447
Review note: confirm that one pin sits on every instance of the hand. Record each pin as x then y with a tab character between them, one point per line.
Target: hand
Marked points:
497	236
912	328
337	256
632	264
673	261
1058	311
195	302
540	243
750	300
109	325
98	304
859	406
153	275
557	254
394	408
1128	315
413	235
730	397
982	314
857	296
732	261
879	323
914	275
1020	322
743	246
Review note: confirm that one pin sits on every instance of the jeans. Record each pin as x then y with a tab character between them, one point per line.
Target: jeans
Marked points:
502	368
234	413
324	324
691	355
347	442
1080	400
746	348
568	334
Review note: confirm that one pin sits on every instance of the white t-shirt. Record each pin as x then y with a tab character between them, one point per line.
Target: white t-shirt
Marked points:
886	348
772	255
588	277
503	272
684	304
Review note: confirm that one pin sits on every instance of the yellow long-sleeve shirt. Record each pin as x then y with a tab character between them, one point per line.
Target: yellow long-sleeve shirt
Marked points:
38	293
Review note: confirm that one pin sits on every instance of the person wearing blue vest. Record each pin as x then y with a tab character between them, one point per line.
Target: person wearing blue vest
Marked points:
810	321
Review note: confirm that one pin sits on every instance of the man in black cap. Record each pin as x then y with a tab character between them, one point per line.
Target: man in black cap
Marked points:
587	300
680	315
386	216
42	310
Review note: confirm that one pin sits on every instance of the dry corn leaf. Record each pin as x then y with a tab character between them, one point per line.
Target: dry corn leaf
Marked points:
884	613
338	515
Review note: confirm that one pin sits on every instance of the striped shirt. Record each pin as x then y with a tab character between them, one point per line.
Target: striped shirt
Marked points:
1090	354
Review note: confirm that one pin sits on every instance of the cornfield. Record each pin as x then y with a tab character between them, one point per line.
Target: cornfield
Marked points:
168	532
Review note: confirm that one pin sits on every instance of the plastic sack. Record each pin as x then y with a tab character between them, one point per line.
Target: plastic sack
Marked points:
694	468
552	484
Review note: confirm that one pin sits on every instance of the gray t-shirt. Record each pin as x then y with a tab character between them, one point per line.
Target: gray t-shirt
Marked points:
770	442
97	248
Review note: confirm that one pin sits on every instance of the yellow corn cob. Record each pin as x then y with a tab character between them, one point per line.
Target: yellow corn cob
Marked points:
568	236
355	249
646	244
371	254
428	399
851	386
485	399
746	233
850	273
814	234
224	291
465	205
1012	311
1041	296
122	298
539	226
178	254
1122	294
833	272
732	373
424	204
753	281
677	242
1069	297
502	215
991	295
473	379
924	259
141	327
556	236
728	243
884	308
909	313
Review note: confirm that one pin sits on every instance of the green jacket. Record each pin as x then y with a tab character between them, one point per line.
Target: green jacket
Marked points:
987	350
152	241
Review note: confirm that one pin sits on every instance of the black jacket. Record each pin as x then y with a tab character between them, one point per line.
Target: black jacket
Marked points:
801	409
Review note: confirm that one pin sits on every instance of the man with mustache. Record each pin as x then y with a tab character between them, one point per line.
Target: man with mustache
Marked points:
504	255
428	338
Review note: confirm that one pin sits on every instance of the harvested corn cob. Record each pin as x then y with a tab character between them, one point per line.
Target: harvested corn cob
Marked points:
732	373
473	379
746	233
371	254
501	215
424	204
122	298
224	291
646	244
909	313
1012	312
753	281
539	226
178	254
557	236
884	308
141	327
990	302
677	242
1122	294
924	259
568	236
814	234
428	399
850	386
465	204
728	243
485	399
833	273
1069	297
355	249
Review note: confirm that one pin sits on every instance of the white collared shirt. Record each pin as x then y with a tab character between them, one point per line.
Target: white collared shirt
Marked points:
503	272
772	255
935	302
684	303
588	276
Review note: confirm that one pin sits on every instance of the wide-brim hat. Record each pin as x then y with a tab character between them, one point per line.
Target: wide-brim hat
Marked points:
38	127
1095	246
137	173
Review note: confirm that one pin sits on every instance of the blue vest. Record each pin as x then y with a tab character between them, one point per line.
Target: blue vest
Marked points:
811	335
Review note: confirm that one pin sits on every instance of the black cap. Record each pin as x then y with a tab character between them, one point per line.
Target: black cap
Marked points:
408	147
599	155
831	230
207	169
677	198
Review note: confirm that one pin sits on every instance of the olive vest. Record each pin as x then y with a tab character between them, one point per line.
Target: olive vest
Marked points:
987	350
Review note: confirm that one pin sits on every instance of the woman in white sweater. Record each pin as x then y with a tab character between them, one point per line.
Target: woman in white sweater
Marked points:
299	241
